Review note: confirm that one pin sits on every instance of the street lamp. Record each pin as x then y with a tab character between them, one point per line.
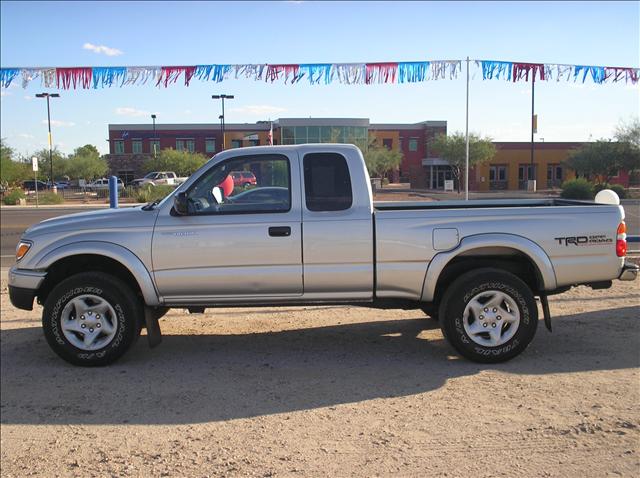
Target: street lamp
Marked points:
47	96
153	117
222	97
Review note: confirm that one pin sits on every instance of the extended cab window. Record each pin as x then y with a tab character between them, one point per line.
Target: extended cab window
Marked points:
219	191
327	182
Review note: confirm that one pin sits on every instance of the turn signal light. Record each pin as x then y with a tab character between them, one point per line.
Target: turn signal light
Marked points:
22	249
621	240
622	228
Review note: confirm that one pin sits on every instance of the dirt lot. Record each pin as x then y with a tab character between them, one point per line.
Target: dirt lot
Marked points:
329	391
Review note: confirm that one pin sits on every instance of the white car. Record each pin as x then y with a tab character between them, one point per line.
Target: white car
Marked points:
155	178
103	183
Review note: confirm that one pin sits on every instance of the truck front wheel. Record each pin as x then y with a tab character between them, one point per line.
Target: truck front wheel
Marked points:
488	315
91	319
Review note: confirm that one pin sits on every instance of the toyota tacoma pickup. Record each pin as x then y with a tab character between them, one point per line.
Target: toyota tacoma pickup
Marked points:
309	233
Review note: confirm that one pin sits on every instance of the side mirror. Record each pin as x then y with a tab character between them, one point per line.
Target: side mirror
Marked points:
180	204
217	195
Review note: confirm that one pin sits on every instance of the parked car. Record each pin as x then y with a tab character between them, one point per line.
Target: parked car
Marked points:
243	179
102	184
156	178
30	185
476	266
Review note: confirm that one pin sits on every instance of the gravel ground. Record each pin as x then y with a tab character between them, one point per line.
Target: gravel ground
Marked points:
329	391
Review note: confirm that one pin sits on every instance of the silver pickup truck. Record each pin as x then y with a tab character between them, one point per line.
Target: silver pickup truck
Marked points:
309	233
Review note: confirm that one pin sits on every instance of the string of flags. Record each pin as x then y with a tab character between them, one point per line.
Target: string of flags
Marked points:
314	73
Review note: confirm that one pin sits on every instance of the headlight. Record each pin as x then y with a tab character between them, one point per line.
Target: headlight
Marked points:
22	249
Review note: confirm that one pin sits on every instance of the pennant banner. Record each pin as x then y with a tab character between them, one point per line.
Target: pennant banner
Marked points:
314	73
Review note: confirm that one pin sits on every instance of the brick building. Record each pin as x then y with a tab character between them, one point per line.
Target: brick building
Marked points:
131	144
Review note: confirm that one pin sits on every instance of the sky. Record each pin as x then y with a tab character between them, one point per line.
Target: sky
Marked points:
35	34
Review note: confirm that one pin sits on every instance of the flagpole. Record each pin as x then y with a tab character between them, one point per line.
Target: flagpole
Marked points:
466	168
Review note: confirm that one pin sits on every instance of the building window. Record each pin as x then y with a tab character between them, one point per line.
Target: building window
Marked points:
136	146
154	143
413	144
186	145
387	143
254	142
554	175
236	143
401	142
210	145
118	146
498	173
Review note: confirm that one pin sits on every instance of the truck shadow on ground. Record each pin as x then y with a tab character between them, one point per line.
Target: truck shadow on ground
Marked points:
203	378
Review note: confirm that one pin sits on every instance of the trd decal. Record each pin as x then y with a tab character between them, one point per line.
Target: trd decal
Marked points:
595	240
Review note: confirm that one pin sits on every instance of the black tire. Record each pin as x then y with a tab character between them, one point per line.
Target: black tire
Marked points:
477	283
128	310
431	310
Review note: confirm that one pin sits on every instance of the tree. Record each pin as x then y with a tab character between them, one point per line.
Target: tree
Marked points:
12	172
183	163
601	160
85	162
452	148
380	159
44	168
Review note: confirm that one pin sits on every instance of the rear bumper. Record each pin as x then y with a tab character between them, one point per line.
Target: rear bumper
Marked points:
629	271
23	286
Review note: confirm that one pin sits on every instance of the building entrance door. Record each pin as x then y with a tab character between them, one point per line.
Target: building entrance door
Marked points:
525	172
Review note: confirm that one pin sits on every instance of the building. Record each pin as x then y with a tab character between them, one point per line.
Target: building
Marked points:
131	144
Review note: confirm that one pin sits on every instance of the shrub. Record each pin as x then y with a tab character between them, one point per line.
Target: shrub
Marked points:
12	197
150	193
577	189
619	190
50	198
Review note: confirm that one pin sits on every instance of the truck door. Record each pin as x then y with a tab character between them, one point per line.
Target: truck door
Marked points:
242	243
338	228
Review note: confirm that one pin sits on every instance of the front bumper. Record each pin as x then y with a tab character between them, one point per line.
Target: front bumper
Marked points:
629	271
23	286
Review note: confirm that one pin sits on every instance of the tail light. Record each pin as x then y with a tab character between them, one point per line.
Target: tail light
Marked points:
621	240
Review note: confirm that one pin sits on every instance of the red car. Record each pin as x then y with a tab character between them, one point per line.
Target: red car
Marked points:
243	179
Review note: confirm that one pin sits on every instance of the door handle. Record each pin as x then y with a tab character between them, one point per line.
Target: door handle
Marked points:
282	231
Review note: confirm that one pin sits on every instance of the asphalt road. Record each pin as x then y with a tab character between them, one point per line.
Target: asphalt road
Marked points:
15	221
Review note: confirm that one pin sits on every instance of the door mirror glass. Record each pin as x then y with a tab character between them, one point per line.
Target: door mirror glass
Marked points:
180	204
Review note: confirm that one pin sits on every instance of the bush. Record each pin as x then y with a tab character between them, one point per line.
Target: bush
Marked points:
50	198
617	188
577	189
12	197
150	193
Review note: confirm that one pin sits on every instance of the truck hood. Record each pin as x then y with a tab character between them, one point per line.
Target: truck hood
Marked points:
95	220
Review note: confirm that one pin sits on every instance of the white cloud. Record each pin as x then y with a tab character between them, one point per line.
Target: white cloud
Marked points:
259	110
102	49
59	123
26	136
4	93
128	111
28	98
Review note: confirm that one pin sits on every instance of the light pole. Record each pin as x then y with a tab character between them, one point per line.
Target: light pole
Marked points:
47	96
153	117
222	97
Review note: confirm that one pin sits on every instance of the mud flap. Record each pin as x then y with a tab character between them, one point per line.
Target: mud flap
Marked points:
546	311
154	335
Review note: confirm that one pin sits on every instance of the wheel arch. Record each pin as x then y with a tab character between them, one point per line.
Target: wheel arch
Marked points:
516	254
98	256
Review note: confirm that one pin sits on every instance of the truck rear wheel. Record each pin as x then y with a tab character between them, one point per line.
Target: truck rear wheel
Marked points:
91	319
488	315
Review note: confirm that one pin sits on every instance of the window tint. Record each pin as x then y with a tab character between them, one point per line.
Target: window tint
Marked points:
327	182
271	191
